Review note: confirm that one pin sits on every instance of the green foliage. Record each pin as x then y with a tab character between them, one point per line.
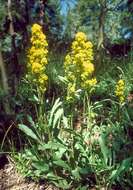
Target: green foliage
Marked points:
63	161
66	156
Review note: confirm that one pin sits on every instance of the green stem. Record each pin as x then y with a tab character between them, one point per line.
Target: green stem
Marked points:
119	111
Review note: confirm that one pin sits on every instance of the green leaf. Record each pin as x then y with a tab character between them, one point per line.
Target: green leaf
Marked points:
30	120
58	181
78	146
56	105
52	176
28	131
63	79
62	183
41	166
124	167
65	122
84	171
73	132
76	173
51	145
62	164
104	148
81	188
60	152
34	99
57	117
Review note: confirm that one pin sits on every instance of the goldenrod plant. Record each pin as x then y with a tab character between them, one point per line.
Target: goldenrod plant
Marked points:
79	67
120	91
37	58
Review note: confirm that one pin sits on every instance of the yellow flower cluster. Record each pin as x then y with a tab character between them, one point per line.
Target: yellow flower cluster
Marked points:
119	90
37	57
78	65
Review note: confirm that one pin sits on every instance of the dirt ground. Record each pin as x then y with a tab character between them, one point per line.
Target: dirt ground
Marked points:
10	179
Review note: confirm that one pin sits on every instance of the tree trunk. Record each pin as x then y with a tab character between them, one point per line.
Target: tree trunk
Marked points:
4	85
11	28
14	56
101	29
100	42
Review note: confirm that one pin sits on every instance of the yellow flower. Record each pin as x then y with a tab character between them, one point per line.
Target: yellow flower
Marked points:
42	82
88	68
92	82
89	83
67	60
88	45
36	28
71	91
78	64
37	57
36	68
119	90
80	36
